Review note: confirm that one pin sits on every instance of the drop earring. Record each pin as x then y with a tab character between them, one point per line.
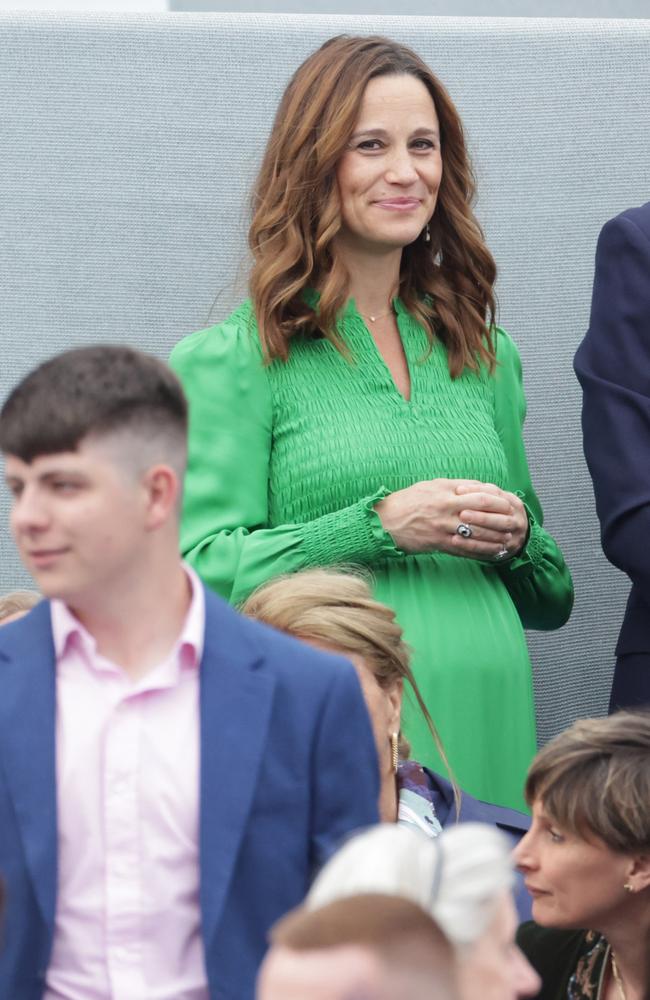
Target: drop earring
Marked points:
394	750
427	234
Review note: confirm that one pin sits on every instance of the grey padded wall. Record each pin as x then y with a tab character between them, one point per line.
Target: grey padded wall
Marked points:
458	8
127	149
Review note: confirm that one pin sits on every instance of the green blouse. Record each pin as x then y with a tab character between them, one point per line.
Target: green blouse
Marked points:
273	487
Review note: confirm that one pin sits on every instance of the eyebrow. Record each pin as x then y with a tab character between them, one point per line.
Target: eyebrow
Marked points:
48	475
61	470
383	134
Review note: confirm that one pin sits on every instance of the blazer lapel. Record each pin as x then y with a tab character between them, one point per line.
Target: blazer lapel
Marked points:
27	745
236	701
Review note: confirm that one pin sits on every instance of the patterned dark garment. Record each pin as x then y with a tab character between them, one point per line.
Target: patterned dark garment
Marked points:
572	964
586	983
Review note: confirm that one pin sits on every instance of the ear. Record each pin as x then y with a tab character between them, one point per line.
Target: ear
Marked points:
639	873
162	492
394	699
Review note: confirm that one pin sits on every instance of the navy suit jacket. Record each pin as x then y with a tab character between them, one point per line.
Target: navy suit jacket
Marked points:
288	768
613	366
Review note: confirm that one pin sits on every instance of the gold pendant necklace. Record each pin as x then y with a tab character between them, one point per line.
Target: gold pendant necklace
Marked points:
373	319
617	977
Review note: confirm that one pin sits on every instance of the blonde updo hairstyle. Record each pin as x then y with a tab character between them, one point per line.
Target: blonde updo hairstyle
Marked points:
17	602
337	610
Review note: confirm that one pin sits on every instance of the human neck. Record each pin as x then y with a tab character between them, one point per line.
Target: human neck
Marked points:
136	622
373	278
629	938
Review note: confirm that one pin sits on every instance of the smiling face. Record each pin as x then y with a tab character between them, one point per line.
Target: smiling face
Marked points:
574	883
79	519
389	176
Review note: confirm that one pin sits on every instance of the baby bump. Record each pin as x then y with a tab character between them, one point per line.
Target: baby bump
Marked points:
471	664
457	610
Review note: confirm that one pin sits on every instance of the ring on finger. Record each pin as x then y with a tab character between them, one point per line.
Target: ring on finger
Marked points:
501	554
464	530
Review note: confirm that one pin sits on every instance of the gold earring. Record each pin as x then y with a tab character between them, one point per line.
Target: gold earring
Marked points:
394	750
628	886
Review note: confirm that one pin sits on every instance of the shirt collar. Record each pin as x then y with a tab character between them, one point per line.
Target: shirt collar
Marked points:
67	629
416	801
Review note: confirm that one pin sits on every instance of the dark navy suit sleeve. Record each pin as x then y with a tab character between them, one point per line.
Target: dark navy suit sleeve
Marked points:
345	771
613	366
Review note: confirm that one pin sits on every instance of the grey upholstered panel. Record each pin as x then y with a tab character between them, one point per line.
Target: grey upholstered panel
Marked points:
459	8
128	146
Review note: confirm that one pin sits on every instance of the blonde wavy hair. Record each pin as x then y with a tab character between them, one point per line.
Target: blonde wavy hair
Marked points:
447	283
337	610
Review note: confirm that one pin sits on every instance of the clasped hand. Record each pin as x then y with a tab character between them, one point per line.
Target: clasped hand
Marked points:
424	518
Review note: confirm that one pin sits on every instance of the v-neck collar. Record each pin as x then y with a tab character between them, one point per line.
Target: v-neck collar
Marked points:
351	322
352	319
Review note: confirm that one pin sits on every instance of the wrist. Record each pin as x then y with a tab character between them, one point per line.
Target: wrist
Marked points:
384	509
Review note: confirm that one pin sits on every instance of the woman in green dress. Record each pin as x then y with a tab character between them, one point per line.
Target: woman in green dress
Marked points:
362	407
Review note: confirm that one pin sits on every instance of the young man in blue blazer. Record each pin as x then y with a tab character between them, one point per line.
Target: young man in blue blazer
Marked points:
170	773
613	366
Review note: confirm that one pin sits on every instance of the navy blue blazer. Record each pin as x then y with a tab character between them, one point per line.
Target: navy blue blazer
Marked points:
288	768
613	366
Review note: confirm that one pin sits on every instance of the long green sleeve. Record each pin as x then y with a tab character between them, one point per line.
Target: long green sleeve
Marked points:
225	532
538	580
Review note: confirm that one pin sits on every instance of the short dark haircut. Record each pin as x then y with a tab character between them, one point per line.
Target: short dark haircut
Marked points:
594	780
92	391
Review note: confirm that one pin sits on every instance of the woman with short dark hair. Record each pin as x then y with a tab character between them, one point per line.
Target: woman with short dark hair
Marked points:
586	861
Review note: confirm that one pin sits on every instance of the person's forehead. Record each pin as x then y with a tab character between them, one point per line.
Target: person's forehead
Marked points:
397	92
41	464
537	809
93	450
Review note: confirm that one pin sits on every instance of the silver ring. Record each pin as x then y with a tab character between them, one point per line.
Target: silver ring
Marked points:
464	530
501	554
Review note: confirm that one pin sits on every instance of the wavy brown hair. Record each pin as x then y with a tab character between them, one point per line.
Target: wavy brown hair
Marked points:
447	283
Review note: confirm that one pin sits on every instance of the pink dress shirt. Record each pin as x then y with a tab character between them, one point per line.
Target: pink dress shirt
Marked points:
128	920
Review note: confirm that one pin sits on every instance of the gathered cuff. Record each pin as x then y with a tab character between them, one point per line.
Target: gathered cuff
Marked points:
352	535
532	554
